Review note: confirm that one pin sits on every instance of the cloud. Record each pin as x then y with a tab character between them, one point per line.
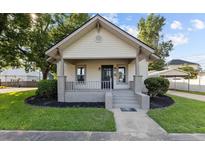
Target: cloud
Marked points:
198	24
129	18
178	39
112	17
176	25
190	29
130	29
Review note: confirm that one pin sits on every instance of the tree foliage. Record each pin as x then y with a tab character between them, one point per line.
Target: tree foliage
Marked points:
13	34
150	32
24	39
192	72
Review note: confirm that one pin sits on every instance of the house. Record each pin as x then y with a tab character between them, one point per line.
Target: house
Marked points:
178	63
99	62
19	74
201	75
169	73
18	77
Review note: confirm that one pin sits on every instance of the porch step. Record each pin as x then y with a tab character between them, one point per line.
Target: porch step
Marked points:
124	98
126	106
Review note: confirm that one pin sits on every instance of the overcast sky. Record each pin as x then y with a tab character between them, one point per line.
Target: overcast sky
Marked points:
187	31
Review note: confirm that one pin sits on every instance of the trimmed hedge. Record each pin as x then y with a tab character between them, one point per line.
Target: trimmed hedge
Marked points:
47	88
156	86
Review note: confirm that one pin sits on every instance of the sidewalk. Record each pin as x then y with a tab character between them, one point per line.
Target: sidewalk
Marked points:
187	95
92	136
7	90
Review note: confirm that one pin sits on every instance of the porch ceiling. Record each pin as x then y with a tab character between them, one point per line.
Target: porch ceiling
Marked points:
75	61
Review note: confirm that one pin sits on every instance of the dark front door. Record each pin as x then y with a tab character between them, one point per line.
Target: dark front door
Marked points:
107	77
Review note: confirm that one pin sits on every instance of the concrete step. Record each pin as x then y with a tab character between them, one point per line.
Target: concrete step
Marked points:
127	98
123	94
125	101
124	98
126	106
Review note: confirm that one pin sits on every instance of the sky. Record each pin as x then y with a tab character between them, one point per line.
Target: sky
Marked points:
187	31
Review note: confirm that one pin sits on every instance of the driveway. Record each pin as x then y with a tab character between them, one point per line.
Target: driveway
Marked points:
7	90
187	95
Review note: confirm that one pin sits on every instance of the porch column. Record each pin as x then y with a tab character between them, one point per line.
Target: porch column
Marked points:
61	82
137	77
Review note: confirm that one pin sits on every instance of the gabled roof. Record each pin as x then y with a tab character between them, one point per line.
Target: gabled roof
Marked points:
169	73
180	62
90	24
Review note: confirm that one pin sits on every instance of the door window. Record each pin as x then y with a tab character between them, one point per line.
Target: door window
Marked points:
121	74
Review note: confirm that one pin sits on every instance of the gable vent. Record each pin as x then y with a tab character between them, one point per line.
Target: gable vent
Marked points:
98	39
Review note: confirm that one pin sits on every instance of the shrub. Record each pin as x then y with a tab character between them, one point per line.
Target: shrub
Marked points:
3	87
47	88
156	86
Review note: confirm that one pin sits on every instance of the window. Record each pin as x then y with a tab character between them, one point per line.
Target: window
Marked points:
80	73
121	74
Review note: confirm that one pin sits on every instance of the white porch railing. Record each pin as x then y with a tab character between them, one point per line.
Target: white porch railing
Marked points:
88	85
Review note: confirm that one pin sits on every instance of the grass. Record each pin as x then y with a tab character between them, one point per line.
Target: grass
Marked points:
192	92
16	115
185	116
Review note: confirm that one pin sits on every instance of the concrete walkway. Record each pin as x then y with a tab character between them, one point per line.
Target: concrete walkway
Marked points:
7	90
139	124
187	95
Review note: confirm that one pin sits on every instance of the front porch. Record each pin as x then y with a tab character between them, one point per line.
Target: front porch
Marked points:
99	74
97	80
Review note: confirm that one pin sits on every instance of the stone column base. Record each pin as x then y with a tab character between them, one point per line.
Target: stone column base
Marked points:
61	88
137	84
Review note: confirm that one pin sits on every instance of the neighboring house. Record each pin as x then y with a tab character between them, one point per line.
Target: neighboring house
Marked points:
169	73
201	75
19	74
178	63
99	62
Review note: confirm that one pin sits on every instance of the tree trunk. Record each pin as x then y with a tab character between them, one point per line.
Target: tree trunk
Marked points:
45	74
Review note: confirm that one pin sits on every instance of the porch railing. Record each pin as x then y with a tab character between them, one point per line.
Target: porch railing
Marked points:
88	85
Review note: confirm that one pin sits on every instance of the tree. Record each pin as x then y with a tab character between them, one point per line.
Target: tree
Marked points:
156	65
150	32
13	33
40	33
192	72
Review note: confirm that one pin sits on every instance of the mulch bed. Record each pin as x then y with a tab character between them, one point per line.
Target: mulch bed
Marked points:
161	102
41	101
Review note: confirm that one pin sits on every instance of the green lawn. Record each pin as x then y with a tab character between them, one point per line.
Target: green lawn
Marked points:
16	115
185	116
192	92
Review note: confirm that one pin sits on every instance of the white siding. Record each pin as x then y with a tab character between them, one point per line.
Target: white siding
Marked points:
110	47
69	71
92	70
131	70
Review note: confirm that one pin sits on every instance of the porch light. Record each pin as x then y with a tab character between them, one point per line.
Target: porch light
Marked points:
99	68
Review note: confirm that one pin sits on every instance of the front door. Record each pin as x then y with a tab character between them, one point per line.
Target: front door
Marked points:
107	77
